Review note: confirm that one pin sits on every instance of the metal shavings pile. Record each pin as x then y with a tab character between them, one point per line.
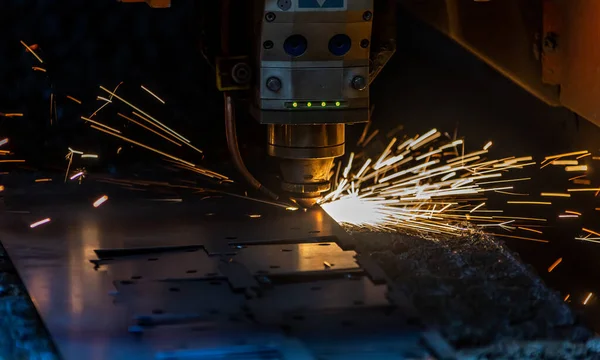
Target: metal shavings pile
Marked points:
474	290
22	335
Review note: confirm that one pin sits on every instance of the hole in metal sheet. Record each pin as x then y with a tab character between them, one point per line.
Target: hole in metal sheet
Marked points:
324	244
215	283
274	266
137	277
152	259
315	288
314	231
126	282
158	311
287	250
211	274
191	271
174	289
231	237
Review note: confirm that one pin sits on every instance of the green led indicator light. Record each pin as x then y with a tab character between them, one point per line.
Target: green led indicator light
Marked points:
323	104
337	103
309	104
295	104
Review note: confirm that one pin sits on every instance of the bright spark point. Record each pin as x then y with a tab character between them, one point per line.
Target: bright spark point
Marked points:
554	264
530	202
556	195
73	99
566	154
487	146
4	141
587	299
576	168
352	210
38	223
33	52
422	191
100	201
76	175
531	230
91	156
153	94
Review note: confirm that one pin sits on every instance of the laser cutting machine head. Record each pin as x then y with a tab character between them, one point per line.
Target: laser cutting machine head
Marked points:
313	64
312	80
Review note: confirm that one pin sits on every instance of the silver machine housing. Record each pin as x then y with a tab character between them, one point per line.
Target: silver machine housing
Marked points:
313	75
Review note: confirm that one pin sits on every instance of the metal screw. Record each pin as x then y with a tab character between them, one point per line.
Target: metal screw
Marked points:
359	83
268	44
270	16
364	43
367	16
274	84
240	73
284	4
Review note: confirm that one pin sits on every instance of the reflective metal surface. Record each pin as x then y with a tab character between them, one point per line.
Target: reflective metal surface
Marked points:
137	278
73	298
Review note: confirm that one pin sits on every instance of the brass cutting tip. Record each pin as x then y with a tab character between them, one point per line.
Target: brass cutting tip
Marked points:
306	202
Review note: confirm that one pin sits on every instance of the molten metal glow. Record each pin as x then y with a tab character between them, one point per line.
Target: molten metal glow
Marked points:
353	210
38	223
416	187
100	201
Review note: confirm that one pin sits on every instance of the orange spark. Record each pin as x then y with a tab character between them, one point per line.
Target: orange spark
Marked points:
554	264
73	99
38	223
100	201
33	52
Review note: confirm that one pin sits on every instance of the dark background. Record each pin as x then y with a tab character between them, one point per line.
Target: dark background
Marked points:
431	82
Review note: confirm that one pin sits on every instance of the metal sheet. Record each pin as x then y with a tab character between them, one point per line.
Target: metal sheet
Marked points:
318	296
273	259
164	266
72	297
202	299
296	258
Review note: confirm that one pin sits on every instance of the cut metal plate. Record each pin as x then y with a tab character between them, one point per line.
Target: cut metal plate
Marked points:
296	258
314	296
72	298
164	266
201	299
272	259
